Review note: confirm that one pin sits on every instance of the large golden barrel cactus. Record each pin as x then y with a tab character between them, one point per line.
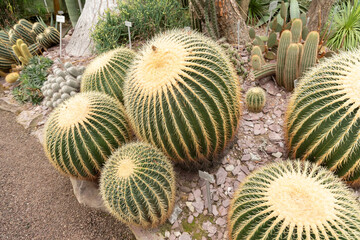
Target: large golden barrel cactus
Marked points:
323	118
83	131
183	96
107	72
294	200
138	185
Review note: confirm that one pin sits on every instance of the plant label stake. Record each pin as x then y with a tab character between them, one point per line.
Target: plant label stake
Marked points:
272	7
60	19
208	179
238	34
129	25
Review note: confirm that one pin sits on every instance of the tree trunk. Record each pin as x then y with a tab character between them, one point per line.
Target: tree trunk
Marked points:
229	15
80	43
318	10
244	8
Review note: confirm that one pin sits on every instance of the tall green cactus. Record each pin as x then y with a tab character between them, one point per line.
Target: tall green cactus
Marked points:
309	55
107	72
322	122
293	200
296	29
83	131
284	43
183	96
138	185
291	69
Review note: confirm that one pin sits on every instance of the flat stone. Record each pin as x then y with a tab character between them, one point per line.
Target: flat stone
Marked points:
175	225
253	116
274	136
246	157
190	206
245	170
212	230
254	157
275	128
226	203
236	170
259	129
197	194
214	210
29	119
177	234
277	154
185	189
229	168
190	219
222	211
270	88
175	214
199	206
221	222
206	225
185	236
9	105
241	176
221	175
271	149
191	197
167	234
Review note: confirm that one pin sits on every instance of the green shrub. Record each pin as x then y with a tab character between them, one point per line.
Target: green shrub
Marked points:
148	17
31	80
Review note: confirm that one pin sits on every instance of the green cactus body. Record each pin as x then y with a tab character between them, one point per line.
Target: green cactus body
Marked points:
256	62
25	23
13	36
260	43
183	96
303	18
322	122
305	32
6	51
296	29
34	48
146	197
283	12
293	200
4	37
107	72
265	71
5	63
300	54
24	33
274	24
284	43
291	69
294	9
83	131
257	51
38	28
309	53
53	35
270	55
255	99
252	33
43	41
272	40
17	51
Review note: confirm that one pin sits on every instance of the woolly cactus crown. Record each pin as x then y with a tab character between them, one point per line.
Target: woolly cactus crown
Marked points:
183	96
294	200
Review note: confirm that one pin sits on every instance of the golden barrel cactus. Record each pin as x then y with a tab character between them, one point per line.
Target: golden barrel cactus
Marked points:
294	200
83	131
323	117
183	96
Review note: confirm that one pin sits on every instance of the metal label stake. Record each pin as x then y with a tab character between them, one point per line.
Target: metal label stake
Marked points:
60	19
208	179
272	7
129	25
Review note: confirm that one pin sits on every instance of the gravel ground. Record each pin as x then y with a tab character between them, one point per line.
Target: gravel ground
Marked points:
38	203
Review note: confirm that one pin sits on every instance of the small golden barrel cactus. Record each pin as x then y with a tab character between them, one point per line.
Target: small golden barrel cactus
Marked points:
107	72
323	117
138	185
255	99
83	131
294	200
183	96
12	77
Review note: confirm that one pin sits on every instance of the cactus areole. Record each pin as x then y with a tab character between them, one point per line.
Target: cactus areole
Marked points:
323	118
183	96
293	200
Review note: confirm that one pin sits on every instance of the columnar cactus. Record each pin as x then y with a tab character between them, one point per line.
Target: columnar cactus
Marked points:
83	131
183	96
107	72
291	69
293	200
285	40
296	29
146	195
322	122
309	55
255	99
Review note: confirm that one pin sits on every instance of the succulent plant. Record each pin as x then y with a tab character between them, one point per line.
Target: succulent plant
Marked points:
22	52
323	116
43	41
62	84
38	28
255	99
291	68
293	200
147	194
24	34
234	56
82	132
12	77
296	29
256	62
183	96
52	34
309	53
285	40
107	72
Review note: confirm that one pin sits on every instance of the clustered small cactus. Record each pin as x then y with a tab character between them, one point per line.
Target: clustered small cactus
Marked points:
138	185
183	96
234	56
293	200
107	72
82	132
28	33
62	84
22	52
255	99
322	121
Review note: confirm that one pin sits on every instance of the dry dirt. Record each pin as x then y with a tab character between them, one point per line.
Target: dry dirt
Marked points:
38	203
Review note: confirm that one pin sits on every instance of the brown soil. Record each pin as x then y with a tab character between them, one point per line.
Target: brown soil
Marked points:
36	202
